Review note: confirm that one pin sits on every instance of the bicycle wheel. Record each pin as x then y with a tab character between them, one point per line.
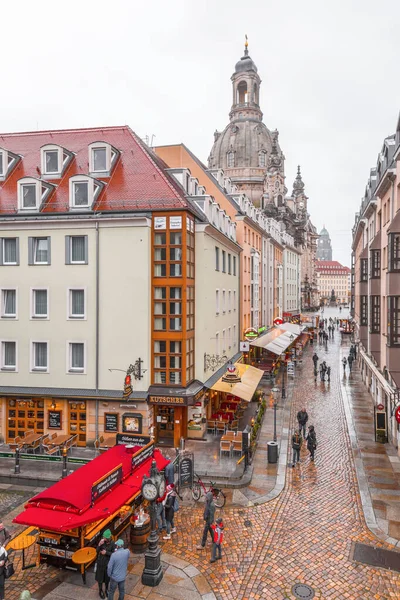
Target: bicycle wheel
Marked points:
219	498
196	491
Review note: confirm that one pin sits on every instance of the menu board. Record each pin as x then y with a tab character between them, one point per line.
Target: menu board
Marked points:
132	440
186	472
111	422
54	419
139	457
106	483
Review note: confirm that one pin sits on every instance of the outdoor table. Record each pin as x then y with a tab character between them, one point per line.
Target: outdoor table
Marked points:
30	440
108	442
83	557
60	440
22	542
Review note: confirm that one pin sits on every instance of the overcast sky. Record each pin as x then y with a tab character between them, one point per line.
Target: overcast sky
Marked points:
330	73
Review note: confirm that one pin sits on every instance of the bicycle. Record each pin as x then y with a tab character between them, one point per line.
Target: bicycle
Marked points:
199	488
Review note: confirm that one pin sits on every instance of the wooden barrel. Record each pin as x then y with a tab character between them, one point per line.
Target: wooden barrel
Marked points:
139	536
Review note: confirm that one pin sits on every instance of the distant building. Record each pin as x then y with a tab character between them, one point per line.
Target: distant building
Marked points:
333	282
324	249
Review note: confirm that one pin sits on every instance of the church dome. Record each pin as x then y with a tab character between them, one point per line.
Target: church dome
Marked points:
324	232
245	64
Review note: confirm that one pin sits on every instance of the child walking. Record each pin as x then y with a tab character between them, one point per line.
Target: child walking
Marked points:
218	531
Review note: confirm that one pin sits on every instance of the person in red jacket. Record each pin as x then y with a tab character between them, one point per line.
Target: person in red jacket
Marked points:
218	531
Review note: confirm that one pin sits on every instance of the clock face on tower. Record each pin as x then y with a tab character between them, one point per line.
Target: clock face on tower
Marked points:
149	490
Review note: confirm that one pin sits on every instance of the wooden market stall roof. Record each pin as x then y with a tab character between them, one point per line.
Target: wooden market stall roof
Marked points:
250	378
68	504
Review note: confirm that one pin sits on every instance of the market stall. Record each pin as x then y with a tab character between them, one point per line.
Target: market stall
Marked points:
72	514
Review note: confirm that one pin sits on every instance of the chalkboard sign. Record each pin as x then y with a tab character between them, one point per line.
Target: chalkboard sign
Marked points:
111	422
381	420
185	471
54	419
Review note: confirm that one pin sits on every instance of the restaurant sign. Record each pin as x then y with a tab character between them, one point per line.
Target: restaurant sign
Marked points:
251	333
101	486
166	400
132	440
142	455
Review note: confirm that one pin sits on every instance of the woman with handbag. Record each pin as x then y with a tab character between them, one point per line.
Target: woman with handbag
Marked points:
3	568
311	441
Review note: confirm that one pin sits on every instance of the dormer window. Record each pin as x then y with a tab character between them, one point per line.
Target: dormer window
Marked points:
54	161
32	193
8	160
83	191
102	158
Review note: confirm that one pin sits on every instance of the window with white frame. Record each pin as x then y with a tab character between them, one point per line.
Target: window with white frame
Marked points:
76	250
55	159
40	304
9	303
8	356
7	162
40	356
229	300
76	303
83	191
32	193
76	357
234	300
217	302
39	250
223	342
223	301
9	251
229	338
102	158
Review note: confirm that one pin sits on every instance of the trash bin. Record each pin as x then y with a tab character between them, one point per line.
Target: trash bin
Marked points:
272	452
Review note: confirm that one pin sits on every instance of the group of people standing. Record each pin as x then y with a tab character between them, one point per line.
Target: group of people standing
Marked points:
348	361
216	530
300	435
324	369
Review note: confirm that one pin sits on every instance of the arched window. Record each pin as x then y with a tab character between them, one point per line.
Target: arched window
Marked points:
280	200
262	158
242	96
230	162
255	93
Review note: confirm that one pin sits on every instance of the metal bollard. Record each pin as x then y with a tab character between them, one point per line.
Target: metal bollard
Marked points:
182	444
17	467
64	456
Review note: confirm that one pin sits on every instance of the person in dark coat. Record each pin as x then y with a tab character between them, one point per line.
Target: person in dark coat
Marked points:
208	516
350	361
328	373
311	440
315	359
297	440
104	550
169	511
302	418
170	473
3	560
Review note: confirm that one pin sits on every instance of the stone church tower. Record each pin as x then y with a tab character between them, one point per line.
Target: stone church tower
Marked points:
324	251
246	149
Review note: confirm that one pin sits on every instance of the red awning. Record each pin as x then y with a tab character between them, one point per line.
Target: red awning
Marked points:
49	510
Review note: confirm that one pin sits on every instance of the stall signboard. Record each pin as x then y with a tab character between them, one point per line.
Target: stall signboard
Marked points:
185	471
101	486
142	455
111	422
175	222
54	419
132	440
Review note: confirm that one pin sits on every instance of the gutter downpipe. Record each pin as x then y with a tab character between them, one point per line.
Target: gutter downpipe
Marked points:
97	327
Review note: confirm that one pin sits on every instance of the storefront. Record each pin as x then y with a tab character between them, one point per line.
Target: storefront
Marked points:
177	413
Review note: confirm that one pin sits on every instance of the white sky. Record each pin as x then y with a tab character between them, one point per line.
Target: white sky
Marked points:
330	74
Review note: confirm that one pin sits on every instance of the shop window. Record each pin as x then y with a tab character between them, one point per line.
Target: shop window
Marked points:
132	423
175	377
375	320
363	310
24	415
160	377
394	252
393	326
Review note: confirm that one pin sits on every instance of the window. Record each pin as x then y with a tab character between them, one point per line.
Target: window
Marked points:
28	195
394	252
9	251
8	356
234	300
160	324
32	193
55	159
229	338
230	162
40	358
51	161
40	304
83	191
175	270
76	357
375	264
393	328
234	265
223	261
76	304
375	320
1	164
39	251
223	301
99	157
80	193
363	310
216	258
262	159
229	300
217	302
229	264
223	342
102	157
364	269
9	304
76	249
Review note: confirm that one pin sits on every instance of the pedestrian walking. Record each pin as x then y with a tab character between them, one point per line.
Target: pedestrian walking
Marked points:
297	440
105	549
330	330
315	373
117	569
315	359
218	533
5	535
328	372
3	560
344	363
170	473
311	441
169	505
302	418
208	516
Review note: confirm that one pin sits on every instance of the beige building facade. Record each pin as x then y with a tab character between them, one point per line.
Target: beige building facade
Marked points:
333	280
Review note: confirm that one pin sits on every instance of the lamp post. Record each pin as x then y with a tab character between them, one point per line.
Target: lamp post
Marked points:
153	487
275	392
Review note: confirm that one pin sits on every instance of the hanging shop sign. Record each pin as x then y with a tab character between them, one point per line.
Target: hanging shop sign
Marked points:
380	407
397	414
166	400
132	440
101	486
244	346
278	321
54	419
251	333
261	330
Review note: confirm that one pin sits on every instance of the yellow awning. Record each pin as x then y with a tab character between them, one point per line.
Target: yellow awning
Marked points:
250	377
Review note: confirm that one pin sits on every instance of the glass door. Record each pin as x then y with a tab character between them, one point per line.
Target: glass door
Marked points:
165	425
23	416
77	421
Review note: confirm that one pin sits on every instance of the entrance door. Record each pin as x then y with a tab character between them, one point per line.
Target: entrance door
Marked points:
24	415
77	421
165	425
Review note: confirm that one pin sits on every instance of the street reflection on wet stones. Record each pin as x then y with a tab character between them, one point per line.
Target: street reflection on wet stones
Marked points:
306	534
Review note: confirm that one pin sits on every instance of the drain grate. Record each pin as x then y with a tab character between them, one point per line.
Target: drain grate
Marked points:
377	557
303	591
248	524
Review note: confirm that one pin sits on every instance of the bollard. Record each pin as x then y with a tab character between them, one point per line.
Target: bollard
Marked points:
182	444
64	457
17	467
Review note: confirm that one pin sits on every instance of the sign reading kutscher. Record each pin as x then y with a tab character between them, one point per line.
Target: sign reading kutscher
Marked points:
166	400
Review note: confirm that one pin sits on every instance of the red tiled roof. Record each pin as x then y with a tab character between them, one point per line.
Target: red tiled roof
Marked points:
331	266
138	180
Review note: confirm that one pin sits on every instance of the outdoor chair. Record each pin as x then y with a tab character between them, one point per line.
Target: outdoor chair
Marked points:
211	426
237	446
224	447
53	436
16	444
49	451
28	432
220	427
101	439
235	425
230	434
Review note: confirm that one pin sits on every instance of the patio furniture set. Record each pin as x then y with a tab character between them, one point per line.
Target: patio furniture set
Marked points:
47	444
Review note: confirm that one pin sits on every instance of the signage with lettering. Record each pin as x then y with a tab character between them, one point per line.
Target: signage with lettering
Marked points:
132	440
185	471
160	222
54	419
132	423
175	222
142	455
166	400
250	333
111	422
100	487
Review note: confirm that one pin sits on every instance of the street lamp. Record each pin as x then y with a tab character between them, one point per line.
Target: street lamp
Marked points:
275	392
153	487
